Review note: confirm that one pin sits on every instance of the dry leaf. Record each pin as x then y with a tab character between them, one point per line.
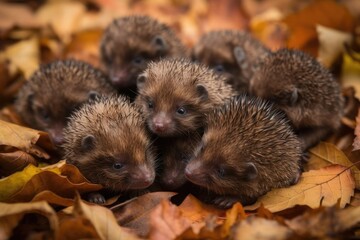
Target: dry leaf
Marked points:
315	188
24	138
9	16
167	222
63	16
325	154
101	218
260	229
11	214
23	56
332	44
302	25
65	182
325	223
11	162
136	213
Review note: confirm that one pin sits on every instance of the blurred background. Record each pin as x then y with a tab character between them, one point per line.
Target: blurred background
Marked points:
33	32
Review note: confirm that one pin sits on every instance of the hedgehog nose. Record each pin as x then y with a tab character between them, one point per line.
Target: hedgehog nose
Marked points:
56	136
159	126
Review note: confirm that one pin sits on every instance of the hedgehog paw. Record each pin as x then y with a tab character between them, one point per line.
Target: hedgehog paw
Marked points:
96	197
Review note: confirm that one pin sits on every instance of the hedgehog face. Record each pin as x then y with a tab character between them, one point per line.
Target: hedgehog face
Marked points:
118	167
219	167
175	155
128	45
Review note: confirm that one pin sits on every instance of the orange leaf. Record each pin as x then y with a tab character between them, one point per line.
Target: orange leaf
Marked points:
317	187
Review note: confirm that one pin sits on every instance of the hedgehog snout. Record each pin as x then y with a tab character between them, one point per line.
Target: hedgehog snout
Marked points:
161	122
194	172
142	177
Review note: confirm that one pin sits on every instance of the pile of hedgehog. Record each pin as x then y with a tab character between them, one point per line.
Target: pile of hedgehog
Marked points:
228	119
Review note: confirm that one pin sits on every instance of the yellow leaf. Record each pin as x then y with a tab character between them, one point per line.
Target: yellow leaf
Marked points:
103	221
16	181
11	214
325	154
260	229
317	187
23	56
332	43
23	138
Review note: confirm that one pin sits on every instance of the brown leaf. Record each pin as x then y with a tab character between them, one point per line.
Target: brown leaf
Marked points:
85	46
167	222
324	223
302	24
101	218
316	187
325	154
66	184
23	56
11	214
197	212
260	228
24	138
9	16
136	213
11	162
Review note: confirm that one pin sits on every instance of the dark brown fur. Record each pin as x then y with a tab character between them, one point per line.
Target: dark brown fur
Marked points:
130	42
55	90
234	54
304	90
247	149
175	153
176	93
108	134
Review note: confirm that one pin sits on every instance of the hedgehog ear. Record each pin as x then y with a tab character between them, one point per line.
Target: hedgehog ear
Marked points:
159	43
240	55
140	81
88	142
294	97
203	93
250	171
92	95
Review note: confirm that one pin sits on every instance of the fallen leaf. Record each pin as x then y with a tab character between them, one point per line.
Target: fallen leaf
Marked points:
302	24
16	181
101	218
260	229
24	138
356	143
23	56
325	223
9	16
167	222
323	187
11	162
325	154
63	16
65	181
331	44
136	213
197	212
11	214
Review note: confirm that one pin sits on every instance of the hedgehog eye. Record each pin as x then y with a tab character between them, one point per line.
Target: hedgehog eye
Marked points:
219	68
150	105
44	114
181	111
118	166
138	60
221	172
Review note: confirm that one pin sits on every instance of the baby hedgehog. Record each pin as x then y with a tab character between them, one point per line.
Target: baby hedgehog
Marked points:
54	91
234	54
107	140
175	153
248	148
129	43
176	93
304	90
